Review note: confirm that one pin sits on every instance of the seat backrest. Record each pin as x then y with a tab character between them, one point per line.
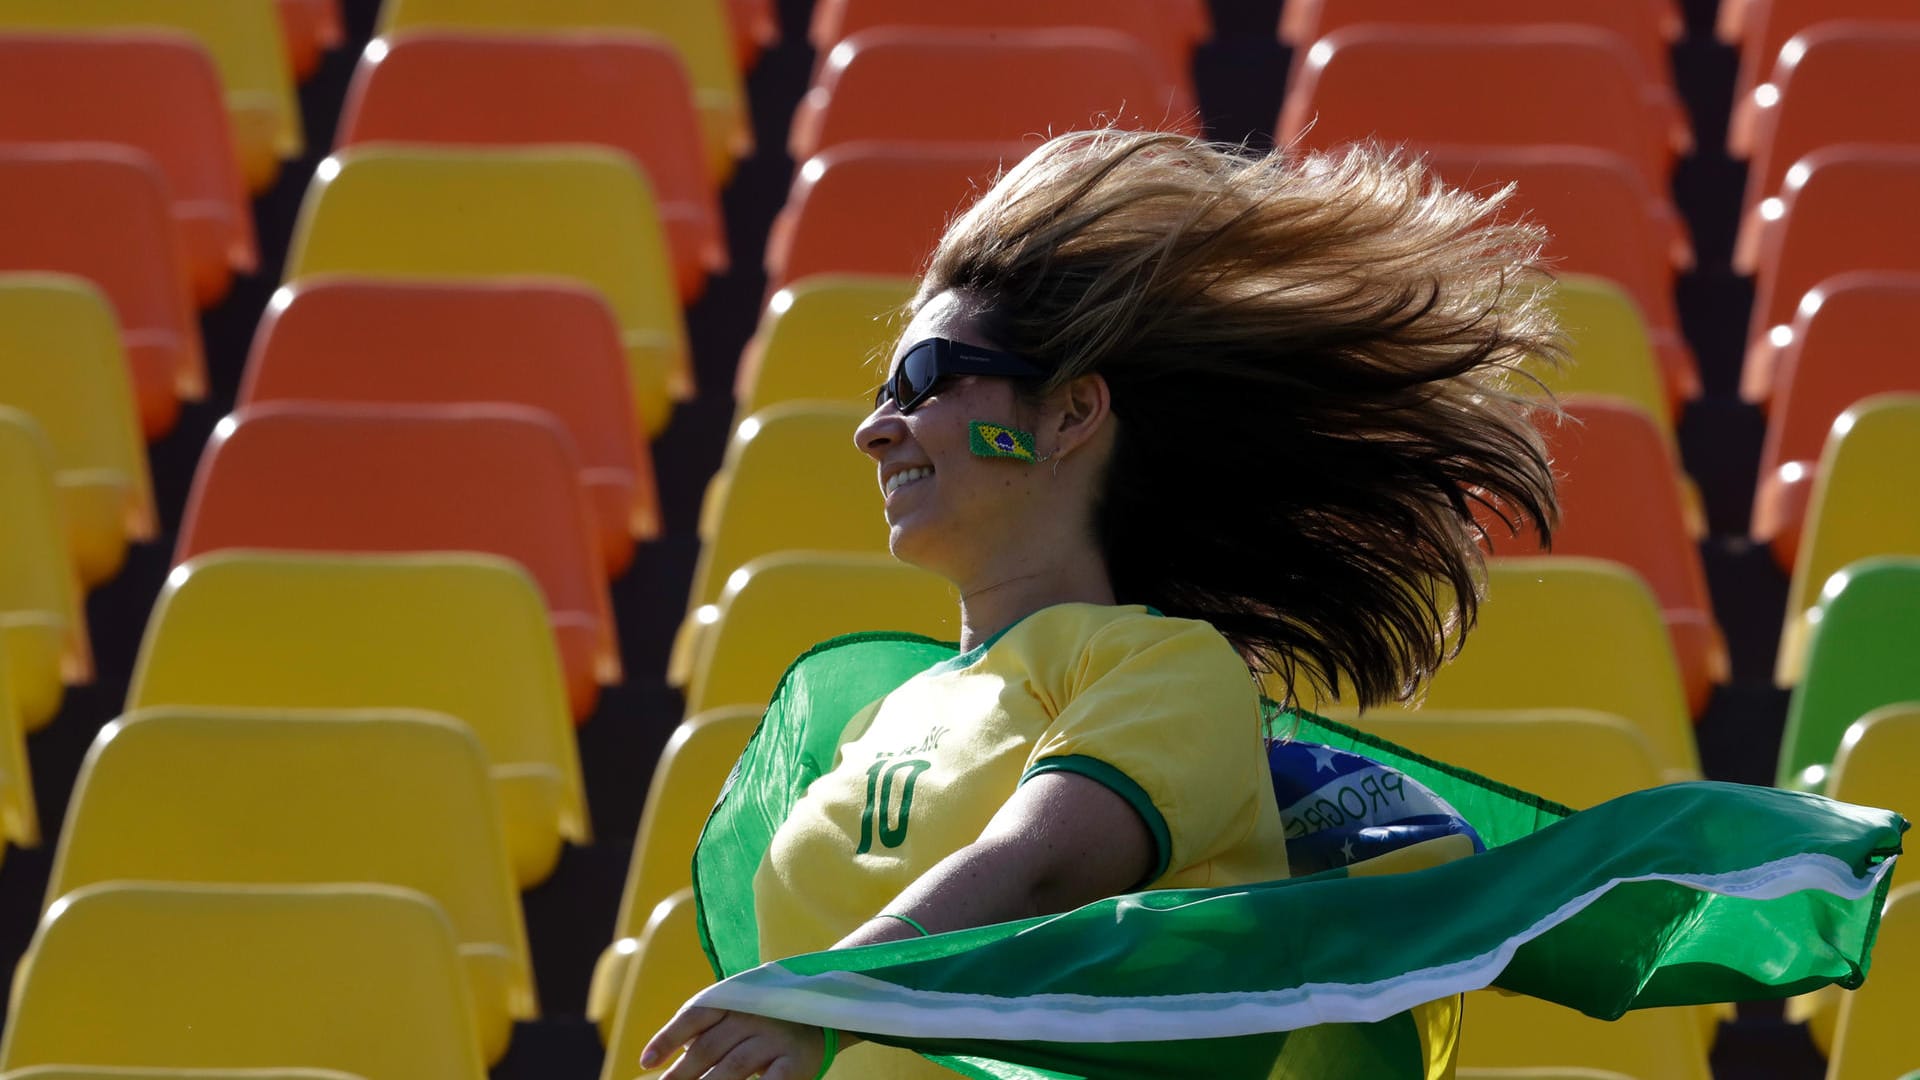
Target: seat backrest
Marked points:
778	606
499	479
359	977
243	37
583	213
462	635
697	29
875	86
1859	657
43	628
1572	756
1609	348
159	93
19	818
877	208
626	92
1875	1036
1879	760
1846	345
306	798
667	969
1513	1030
547	345
823	339
99	212
108	1072
791	480
1770	24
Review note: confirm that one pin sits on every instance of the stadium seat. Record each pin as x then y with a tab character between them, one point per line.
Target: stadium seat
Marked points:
1299	17
61	363
1879	760
1840	82
583	213
629	93
1850	514
491	478
362	978
99	212
157	93
1431	85
19	818
1847	343
667	967
1766	33
686	783
1576	757
312	28
1511	1031
43	623
546	345
778	606
697	28
1874	1037
247	45
874	85
1608	345
876	208
1859	657
456	634
309	797
824	338
1821	231
754	27
109	1072
1540	1074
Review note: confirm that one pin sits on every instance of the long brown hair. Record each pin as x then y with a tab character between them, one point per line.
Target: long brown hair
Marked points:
1313	368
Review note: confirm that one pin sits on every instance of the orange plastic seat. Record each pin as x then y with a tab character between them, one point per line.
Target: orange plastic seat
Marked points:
1842	209
754	27
629	92
875	86
1582	87
1840	82
493	479
874	208
312	27
100	213
1766	28
547	345
1299	18
1605	220
1621	499
1847	344
156	92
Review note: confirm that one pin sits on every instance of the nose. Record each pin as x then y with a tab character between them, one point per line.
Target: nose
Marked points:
883	427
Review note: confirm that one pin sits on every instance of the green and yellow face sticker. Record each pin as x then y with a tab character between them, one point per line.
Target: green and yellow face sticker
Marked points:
999	441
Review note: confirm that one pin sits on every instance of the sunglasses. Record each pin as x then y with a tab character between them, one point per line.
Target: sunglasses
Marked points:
923	365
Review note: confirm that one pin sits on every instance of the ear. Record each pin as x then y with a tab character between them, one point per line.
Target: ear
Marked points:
1081	408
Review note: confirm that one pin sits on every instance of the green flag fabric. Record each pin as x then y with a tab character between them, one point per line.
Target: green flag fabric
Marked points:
1684	894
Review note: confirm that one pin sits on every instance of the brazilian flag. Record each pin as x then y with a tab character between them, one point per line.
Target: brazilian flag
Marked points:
1680	895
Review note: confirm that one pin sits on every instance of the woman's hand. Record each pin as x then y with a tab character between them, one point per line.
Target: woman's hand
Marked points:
722	1045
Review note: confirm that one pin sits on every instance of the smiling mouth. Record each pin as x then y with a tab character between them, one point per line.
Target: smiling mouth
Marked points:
904	477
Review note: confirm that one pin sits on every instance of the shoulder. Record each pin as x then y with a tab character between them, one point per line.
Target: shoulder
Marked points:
1077	646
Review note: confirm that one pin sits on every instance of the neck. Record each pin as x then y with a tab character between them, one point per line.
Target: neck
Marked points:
994	602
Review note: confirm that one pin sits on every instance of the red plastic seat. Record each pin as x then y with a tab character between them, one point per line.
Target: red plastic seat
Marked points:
99	212
755	27
876	208
1298	18
1843	208
501	480
1848	343
312	28
155	92
1525	86
1765	27
875	85
629	92
546	345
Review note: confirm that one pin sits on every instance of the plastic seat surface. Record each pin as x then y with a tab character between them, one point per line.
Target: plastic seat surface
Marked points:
1576	757
754	27
626	92
61	363
43	623
1852	512
246	42
546	345
459	635
107	1072
19	816
361	978
309	798
1859	658
1875	1033
1608	343
1771	25
667	967
874	86
1647	1044
697	28
156	92
312	28
99	212
822	338
1879	760
581	213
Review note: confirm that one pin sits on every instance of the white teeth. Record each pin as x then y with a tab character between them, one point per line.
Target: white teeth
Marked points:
905	477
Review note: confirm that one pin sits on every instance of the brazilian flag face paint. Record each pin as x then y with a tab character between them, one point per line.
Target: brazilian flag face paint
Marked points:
999	441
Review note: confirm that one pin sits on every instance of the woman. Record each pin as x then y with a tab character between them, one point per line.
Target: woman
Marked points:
1171	417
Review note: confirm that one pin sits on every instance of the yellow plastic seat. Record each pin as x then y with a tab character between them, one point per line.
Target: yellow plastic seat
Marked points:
1512	1031
686	782
667	968
826	337
583	213
1571	756
61	363
103	1072
309	797
1609	347
362	978
697	28
778	606
460	634
1854	511
1875	1034
247	44
19	817
43	626
1540	1074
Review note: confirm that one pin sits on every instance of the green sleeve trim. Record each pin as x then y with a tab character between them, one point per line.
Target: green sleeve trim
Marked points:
1122	785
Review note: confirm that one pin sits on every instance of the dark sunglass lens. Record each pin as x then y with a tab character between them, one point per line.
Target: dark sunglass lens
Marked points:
916	376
